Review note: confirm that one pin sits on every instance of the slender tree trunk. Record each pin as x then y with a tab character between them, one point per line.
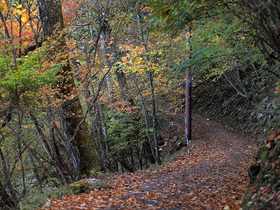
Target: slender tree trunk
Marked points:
154	117
5	197
109	56
19	142
51	152
72	118
150	76
36	172
145	114
39	159
107	51
6	201
103	136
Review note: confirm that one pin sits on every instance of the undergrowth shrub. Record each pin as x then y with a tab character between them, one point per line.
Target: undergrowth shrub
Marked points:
36	198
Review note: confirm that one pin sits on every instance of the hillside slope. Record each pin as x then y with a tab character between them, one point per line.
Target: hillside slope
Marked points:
264	189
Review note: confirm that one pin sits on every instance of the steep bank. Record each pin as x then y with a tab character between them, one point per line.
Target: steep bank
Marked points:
256	114
264	189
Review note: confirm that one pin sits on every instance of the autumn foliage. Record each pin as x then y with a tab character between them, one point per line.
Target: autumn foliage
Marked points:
89	86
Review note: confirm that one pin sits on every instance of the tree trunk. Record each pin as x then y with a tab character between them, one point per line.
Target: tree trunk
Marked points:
150	75
151	84
109	52
6	201
147	147
109	56
72	117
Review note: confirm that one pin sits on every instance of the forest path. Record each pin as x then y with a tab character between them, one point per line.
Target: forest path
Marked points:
213	176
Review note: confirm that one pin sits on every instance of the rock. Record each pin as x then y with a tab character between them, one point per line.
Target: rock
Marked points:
86	185
268	145
48	204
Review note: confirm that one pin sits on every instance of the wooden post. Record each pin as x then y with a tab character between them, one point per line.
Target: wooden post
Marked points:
188	95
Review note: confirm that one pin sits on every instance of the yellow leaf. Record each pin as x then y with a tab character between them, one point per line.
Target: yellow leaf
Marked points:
24	18
19	6
140	71
138	60
25	11
124	60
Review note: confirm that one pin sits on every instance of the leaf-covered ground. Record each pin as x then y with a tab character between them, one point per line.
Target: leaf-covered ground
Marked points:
213	176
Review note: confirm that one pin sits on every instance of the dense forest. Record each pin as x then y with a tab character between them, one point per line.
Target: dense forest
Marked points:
86	85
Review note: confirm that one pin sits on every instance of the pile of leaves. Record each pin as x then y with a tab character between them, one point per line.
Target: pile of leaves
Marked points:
213	176
264	191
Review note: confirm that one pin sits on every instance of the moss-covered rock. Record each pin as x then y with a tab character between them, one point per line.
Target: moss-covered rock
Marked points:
264	189
86	185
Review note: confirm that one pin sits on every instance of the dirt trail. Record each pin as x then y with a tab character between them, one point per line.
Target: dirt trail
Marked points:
213	176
